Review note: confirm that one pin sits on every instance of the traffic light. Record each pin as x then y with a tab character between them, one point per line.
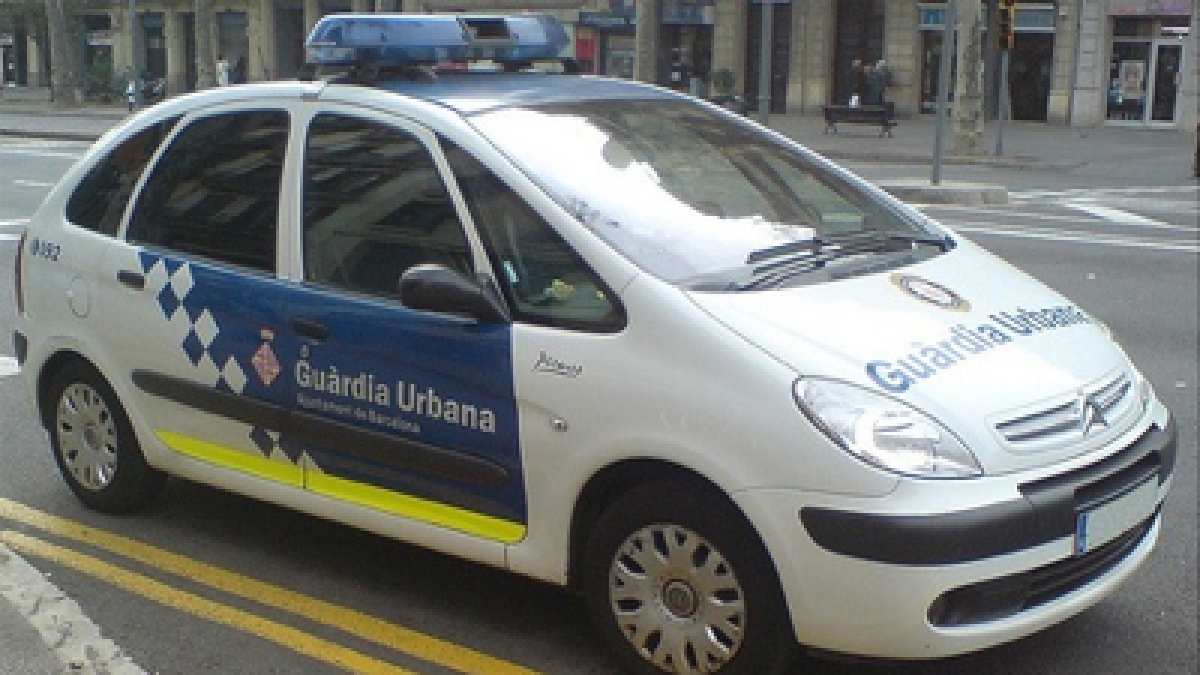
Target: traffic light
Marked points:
1005	24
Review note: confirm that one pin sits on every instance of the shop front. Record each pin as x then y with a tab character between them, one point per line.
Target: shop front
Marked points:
8	61
1147	51
1031	60
687	40
99	74
604	41
779	57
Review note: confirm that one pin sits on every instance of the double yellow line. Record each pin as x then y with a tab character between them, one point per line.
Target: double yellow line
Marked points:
410	642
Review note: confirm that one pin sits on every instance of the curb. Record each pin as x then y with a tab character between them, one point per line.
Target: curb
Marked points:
957	160
52	135
965	194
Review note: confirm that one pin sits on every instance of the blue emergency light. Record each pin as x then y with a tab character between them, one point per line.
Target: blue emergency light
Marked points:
400	39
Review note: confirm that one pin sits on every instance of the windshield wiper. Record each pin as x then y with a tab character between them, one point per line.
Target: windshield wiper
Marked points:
776	264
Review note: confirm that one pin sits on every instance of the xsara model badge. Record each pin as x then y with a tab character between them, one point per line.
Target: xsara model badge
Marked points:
931	292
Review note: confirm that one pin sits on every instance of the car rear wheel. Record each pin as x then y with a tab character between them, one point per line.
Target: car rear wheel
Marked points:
678	582
94	444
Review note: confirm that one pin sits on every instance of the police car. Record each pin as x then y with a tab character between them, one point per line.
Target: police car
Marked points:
593	332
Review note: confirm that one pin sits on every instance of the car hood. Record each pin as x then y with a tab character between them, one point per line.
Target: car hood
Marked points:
1024	376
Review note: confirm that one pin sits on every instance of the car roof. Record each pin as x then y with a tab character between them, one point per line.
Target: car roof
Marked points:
473	92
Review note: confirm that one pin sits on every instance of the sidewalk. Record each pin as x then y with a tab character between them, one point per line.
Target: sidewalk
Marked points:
1147	155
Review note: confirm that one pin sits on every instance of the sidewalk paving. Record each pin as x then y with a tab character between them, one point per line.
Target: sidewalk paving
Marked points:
1151	153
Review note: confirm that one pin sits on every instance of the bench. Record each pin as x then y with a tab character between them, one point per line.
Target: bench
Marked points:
861	114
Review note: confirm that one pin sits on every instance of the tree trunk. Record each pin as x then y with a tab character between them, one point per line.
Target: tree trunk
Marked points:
205	63
63	82
967	123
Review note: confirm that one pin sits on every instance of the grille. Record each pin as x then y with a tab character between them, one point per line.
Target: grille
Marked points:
1073	416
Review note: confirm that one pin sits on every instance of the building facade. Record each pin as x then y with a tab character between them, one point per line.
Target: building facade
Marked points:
1074	62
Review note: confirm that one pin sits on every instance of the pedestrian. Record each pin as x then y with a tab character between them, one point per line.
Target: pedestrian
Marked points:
858	82
223	67
876	83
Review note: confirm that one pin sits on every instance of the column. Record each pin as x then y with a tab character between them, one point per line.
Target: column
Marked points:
819	29
312	14
1062	79
649	21
1089	96
1189	112
119	20
729	41
175	34
901	52
261	62
33	57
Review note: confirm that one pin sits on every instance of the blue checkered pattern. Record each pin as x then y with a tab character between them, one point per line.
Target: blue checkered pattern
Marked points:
195	327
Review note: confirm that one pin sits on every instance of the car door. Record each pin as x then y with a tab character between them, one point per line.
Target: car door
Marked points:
192	301
404	411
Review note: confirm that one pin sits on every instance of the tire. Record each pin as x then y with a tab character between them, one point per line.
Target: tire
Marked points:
677	581
94	444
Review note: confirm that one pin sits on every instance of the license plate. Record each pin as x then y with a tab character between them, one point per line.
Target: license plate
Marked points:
1100	525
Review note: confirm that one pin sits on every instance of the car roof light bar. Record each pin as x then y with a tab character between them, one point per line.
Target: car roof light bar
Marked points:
381	40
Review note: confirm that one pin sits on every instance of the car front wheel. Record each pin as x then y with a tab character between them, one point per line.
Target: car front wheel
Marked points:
678	582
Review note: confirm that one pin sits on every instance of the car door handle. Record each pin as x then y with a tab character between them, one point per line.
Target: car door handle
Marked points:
310	328
134	280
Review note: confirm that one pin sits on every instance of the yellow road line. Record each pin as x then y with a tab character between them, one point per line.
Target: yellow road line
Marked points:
365	626
296	640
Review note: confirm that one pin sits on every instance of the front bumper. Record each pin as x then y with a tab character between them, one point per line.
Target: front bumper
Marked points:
1046	510
929	573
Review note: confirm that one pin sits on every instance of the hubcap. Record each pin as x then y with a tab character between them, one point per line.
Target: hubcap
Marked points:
87	436
677	599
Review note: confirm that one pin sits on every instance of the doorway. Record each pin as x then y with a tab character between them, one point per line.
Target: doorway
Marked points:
1145	71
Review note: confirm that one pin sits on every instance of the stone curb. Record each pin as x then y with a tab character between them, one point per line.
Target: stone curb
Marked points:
51	135
966	194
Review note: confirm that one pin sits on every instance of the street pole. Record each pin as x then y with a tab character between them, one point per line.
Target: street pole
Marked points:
764	62
1003	112
943	97
135	75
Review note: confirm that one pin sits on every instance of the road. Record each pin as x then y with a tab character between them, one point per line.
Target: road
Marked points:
208	582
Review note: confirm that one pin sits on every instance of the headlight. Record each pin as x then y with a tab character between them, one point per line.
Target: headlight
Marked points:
884	432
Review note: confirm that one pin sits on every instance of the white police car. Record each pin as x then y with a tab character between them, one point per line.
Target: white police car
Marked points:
594	332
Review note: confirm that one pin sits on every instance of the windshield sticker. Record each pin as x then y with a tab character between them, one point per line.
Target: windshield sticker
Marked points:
961	343
931	292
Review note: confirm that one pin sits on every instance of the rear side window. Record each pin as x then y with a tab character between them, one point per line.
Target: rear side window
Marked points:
100	198
214	192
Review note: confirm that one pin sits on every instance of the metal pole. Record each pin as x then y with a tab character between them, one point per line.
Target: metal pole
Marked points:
1002	114
764	62
943	97
135	72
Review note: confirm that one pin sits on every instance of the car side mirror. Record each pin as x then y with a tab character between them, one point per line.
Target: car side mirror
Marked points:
436	288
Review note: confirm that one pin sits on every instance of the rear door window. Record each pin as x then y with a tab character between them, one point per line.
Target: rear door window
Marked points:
214	192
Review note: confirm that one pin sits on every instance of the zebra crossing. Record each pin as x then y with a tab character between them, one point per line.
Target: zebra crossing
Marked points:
1154	217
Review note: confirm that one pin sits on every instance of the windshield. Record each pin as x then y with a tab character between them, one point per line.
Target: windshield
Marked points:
696	198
